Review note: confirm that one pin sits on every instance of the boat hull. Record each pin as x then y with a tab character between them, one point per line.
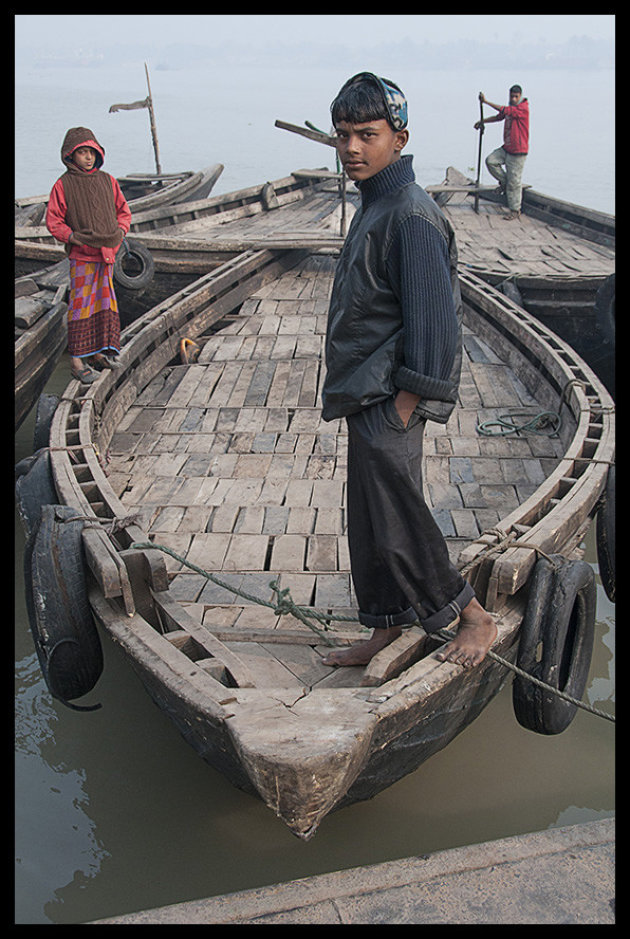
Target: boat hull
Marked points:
553	261
38	348
246	691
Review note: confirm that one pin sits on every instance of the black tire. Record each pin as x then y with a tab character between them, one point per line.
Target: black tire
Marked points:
65	635
46	407
605	529
134	267
34	488
560	617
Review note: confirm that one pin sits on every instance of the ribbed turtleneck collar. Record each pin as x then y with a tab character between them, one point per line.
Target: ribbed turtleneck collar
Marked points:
397	174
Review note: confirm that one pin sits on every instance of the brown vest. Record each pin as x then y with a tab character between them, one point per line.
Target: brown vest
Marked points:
91	212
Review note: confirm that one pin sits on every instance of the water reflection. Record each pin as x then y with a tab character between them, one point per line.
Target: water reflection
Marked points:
52	805
602	687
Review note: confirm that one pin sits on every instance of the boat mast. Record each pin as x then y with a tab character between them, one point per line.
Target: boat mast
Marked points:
145	103
156	148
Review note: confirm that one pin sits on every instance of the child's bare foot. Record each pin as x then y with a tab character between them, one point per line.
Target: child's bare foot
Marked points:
476	633
363	652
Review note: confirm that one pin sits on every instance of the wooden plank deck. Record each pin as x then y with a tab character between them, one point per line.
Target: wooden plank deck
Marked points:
228	463
486	242
314	211
525	246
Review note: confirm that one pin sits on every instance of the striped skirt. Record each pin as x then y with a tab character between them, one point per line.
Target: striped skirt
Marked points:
93	322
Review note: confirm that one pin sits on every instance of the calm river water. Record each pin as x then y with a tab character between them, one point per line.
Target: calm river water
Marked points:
114	812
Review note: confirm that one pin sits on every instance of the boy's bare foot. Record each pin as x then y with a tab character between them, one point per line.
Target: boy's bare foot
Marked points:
476	633
363	652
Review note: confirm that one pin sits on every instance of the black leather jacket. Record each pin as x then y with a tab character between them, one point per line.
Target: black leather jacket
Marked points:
364	340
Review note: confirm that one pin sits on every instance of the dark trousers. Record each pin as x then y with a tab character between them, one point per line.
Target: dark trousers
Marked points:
399	559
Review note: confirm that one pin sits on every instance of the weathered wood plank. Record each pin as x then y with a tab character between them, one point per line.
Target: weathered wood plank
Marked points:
395	657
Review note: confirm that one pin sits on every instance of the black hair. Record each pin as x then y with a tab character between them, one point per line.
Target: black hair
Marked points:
358	104
517	89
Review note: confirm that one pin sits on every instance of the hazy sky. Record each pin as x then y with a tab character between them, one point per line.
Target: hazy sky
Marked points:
90	29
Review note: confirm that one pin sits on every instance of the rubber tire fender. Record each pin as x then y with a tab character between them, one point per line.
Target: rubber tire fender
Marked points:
46	407
605	532
560	617
143	257
34	488
64	632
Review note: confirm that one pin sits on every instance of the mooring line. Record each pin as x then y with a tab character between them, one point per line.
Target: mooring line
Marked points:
285	604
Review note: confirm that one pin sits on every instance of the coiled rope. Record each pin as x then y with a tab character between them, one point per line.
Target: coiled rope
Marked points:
284	604
545	423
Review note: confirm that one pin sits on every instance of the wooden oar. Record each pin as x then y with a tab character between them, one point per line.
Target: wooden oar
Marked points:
479	153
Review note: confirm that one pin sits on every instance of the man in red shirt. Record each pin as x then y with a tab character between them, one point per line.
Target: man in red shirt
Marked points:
513	153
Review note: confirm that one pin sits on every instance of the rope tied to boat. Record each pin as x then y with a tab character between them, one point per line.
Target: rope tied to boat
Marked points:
505	542
285	604
593	406
447	636
109	525
71	449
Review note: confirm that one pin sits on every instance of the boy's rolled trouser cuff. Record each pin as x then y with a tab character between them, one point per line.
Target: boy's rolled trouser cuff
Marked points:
440	620
387	620
443	618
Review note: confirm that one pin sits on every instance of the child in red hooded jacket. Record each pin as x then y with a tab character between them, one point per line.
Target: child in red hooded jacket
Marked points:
89	214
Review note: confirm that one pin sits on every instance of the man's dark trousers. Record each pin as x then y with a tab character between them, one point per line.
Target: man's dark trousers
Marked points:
399	559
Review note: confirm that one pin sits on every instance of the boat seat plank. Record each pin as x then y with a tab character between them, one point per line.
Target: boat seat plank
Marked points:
177	617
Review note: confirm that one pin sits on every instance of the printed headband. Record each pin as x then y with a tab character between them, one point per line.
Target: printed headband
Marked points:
393	98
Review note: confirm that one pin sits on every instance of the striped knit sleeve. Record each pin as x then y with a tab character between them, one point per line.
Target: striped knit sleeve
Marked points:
56	214
419	270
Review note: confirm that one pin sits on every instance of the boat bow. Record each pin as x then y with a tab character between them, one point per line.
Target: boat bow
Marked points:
302	754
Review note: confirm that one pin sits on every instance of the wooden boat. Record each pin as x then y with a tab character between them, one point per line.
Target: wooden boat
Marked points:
150	190
558	261
224	461
40	335
190	239
143	192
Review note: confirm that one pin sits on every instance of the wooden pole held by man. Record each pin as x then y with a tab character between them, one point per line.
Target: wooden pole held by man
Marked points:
479	153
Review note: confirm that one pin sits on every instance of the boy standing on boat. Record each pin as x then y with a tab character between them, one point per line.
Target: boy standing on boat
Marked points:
88	212
393	355
515	147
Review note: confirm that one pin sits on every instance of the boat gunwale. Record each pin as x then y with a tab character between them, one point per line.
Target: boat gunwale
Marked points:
171	178
284	188
583	477
37	348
